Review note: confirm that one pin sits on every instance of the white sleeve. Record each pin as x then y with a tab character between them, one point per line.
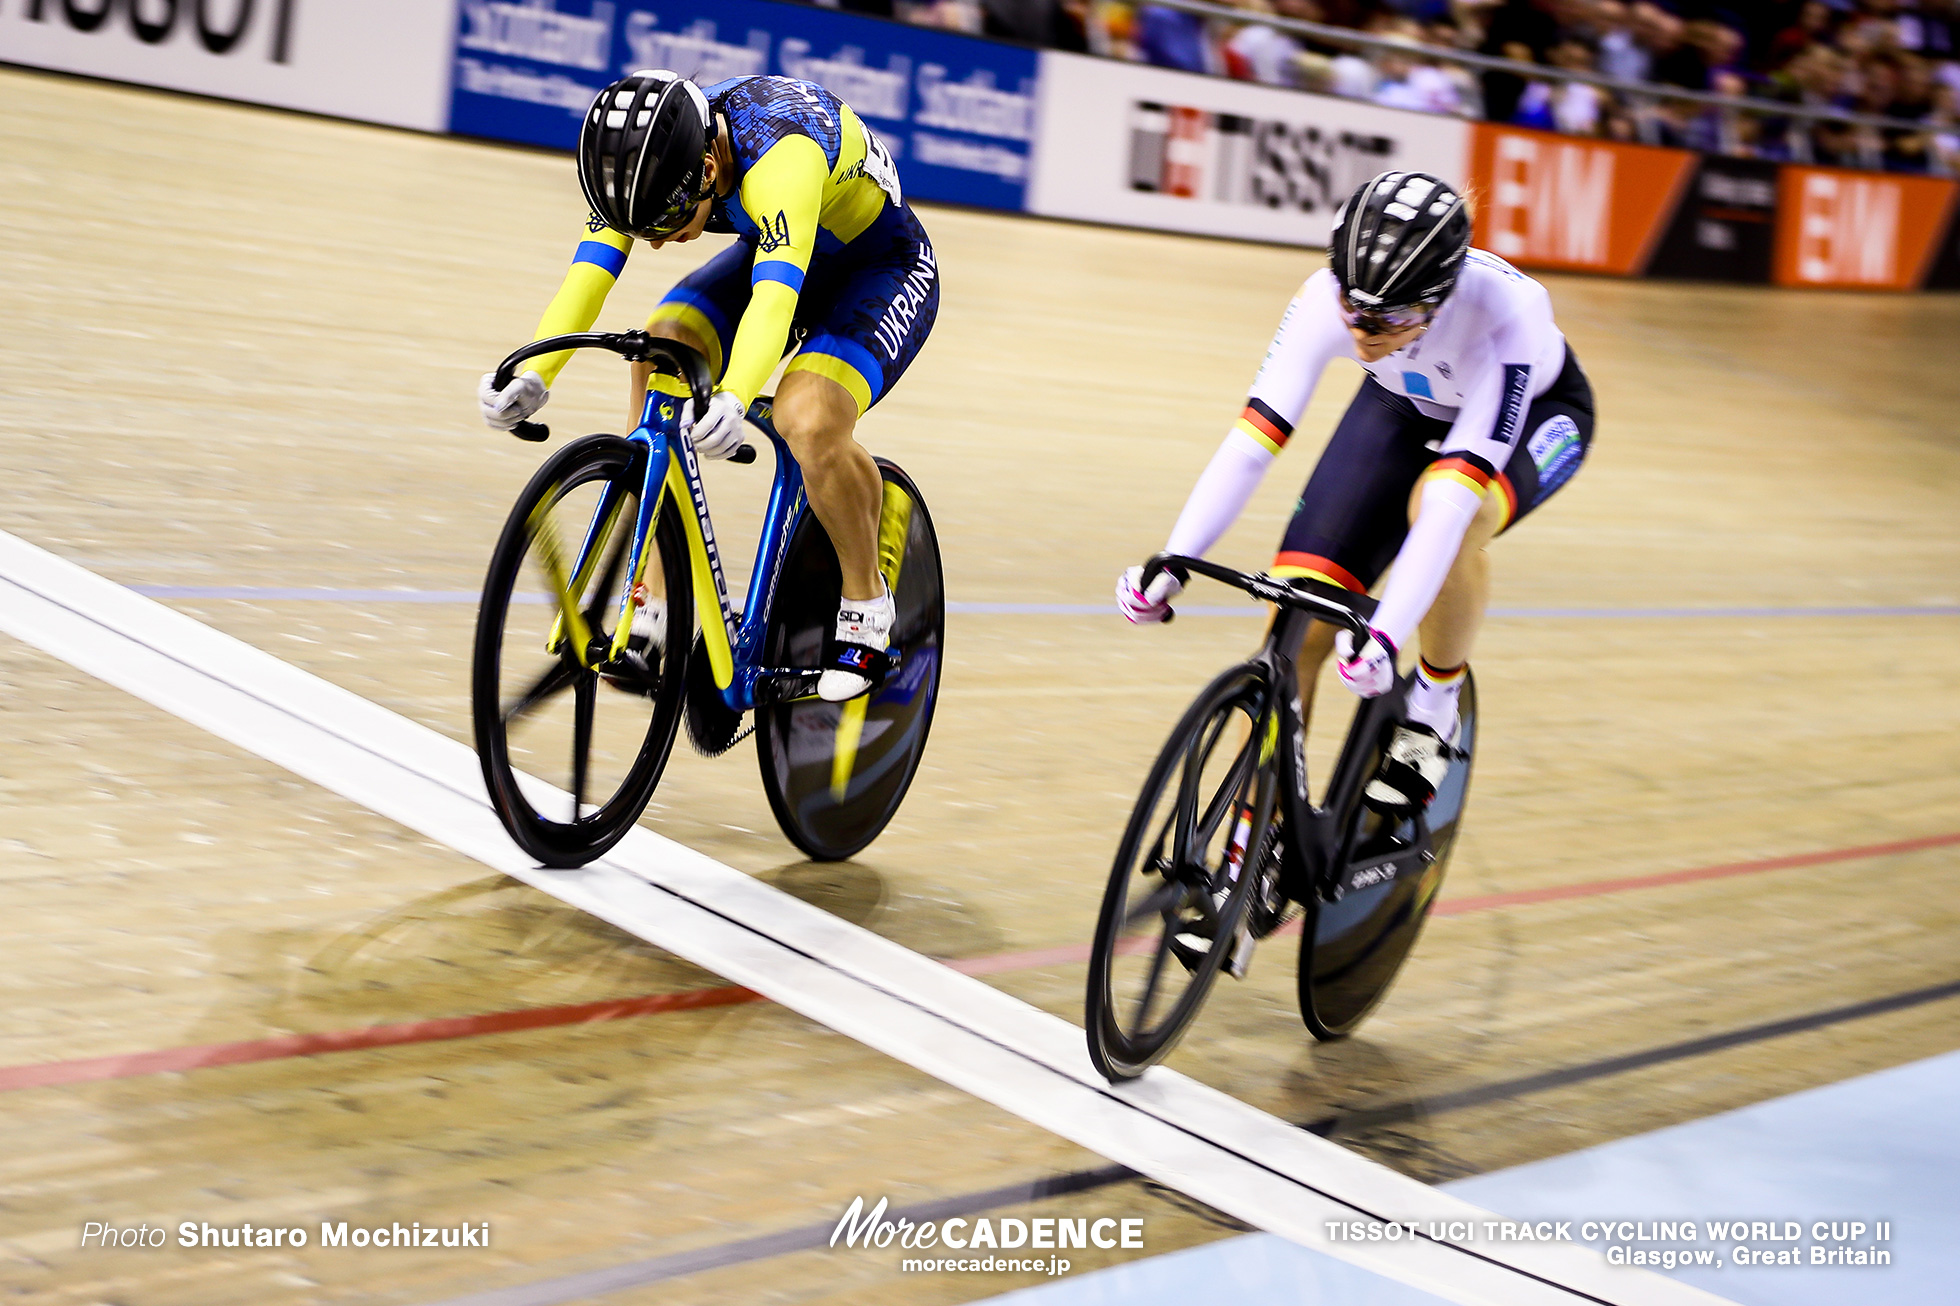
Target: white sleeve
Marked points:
1479	445
1309	337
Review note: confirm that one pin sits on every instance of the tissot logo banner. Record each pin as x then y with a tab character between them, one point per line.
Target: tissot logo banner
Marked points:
956	114
372	60
1145	147
1725	226
1839	228
1561	202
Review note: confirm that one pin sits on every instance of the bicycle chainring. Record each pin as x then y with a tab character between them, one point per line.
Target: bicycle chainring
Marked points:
1270	907
712	726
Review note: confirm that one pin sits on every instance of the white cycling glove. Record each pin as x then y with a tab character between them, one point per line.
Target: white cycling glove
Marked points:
718	434
503	409
1144	605
1371	672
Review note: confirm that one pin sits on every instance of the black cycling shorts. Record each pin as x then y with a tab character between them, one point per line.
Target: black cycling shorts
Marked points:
1352	517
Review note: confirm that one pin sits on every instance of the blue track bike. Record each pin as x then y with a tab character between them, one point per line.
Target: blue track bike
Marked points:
588	654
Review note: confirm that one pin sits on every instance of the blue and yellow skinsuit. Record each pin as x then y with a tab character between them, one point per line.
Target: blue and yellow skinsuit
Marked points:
827	246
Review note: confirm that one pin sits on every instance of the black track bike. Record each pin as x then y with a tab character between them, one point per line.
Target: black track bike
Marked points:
589	653
1224	843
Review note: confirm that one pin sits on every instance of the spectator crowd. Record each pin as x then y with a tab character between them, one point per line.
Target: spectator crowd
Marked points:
1897	59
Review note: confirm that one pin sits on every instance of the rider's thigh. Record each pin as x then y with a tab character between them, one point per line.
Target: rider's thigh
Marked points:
1348	522
669	329
1318	644
868	313
1493	515
815	414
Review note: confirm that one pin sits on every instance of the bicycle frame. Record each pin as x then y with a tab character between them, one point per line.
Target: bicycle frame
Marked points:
1317	837
670	467
734	641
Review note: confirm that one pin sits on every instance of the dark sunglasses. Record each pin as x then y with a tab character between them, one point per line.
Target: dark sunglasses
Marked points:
1387	322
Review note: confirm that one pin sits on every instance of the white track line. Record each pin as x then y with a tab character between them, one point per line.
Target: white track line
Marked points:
953	1027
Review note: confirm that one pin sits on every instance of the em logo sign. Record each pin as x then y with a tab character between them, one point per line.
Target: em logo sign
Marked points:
1555	202
1841	228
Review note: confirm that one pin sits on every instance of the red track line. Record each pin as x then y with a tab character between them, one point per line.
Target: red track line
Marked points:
350	1040
52	1073
1552	893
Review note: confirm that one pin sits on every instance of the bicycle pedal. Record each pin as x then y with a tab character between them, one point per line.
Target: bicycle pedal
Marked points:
1190	950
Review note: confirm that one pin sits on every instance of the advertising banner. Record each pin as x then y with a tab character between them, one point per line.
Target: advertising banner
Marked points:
1945	272
1553	201
1873	230
372	60
1146	147
956	113
1724	228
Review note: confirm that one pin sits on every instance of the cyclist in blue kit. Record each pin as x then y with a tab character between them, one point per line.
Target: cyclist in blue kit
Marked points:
829	259
1473	413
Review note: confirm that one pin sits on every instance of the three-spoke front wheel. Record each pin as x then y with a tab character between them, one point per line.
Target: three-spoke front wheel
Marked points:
572	746
1176	903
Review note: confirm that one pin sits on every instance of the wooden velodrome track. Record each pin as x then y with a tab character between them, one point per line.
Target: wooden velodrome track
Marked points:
239	349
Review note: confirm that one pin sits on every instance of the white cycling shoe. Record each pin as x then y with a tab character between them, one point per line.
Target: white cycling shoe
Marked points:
1417	760
864	634
647	640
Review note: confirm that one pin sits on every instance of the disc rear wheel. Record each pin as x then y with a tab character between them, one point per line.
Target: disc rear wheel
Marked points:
1390	875
835	773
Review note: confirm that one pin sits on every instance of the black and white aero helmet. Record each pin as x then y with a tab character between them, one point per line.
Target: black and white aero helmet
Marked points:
1399	241
640	152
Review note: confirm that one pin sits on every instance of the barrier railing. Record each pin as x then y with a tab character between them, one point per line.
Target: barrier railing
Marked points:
1640	93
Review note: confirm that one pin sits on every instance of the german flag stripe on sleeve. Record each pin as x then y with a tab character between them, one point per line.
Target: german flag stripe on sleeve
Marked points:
1264	425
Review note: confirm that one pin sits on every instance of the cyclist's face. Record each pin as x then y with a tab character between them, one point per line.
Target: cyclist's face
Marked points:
696	224
1377	336
1373	345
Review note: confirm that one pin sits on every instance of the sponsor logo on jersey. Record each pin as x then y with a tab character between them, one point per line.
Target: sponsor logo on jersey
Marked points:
1556	449
1510	411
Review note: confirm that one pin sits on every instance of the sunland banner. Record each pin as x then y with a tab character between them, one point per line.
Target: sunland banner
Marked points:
1146	147
1859	229
1551	201
382	61
955	112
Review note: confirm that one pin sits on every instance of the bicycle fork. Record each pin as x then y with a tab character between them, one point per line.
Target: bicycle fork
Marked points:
1239	852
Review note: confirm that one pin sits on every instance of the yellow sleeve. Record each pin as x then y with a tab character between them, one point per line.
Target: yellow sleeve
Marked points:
783	192
595	267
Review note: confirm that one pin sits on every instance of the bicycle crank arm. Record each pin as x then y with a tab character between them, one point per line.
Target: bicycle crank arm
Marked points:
785	684
1369	872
